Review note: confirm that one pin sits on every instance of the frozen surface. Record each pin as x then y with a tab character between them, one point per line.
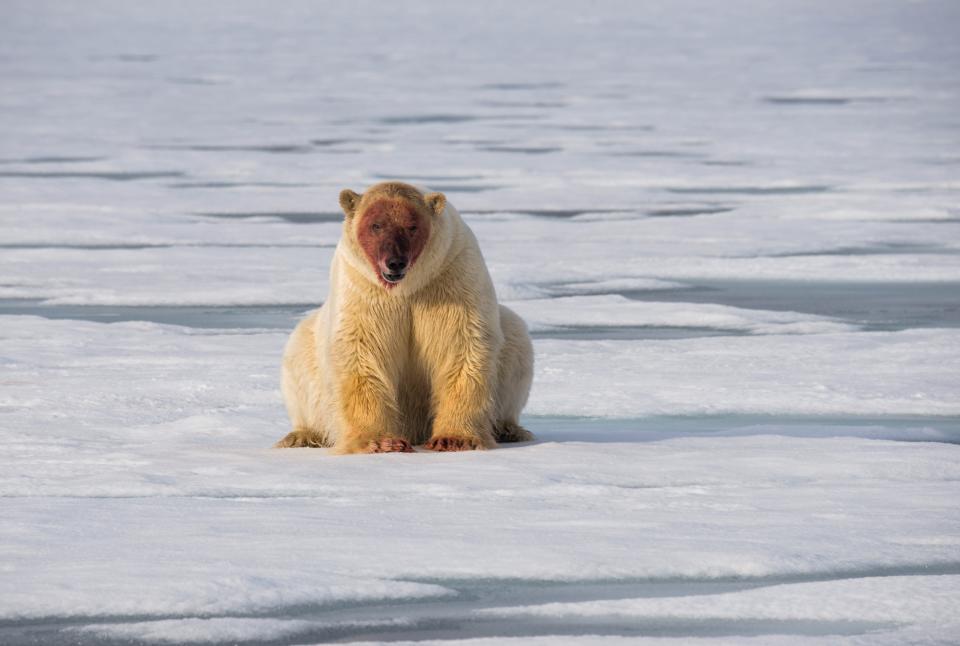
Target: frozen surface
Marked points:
732	228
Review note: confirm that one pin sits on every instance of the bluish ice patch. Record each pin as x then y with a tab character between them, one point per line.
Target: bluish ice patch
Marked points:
285	317
751	190
407	177
192	80
792	100
86	246
294	217
420	119
232	184
197	316
875	305
523	104
686	212
726	162
651	429
545	212
135	58
323	143
824	100
524	150
463	188
462	615
875	250
233	148
114	176
519	87
629	332
53	159
669	154
600	127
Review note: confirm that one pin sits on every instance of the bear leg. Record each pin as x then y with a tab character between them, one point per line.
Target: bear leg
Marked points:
300	438
446	443
389	445
511	432
514	376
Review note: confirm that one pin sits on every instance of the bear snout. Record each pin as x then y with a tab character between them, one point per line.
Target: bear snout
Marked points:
396	264
394	268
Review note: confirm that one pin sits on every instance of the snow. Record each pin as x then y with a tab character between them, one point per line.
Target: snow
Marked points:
226	629
616	311
911	372
732	230
122	473
890	599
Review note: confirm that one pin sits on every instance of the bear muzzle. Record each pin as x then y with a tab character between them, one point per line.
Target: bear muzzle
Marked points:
394	269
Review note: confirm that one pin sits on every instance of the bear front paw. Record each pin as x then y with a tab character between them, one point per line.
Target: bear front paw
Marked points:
388	445
300	438
454	444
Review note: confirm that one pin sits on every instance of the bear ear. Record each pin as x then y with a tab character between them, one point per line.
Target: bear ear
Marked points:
436	201
349	201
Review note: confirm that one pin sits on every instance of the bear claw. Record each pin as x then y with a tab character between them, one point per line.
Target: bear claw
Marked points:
389	445
510	432
300	439
454	444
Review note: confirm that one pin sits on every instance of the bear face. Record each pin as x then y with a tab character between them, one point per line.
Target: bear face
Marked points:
392	224
392	233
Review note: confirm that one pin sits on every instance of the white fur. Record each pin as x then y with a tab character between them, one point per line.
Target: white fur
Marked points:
434	356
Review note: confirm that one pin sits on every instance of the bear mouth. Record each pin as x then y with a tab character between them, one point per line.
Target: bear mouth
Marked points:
393	278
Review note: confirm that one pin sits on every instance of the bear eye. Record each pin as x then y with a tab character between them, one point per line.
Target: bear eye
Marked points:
412	229
376	226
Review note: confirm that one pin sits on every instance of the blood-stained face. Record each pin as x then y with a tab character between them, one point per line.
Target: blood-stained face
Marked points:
392	232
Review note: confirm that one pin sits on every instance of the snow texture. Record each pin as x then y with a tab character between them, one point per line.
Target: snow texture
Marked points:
731	227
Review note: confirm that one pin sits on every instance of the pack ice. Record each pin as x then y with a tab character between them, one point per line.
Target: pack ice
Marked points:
732	229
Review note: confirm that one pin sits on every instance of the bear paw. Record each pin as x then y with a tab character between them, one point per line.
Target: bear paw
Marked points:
300	438
454	444
510	432
388	445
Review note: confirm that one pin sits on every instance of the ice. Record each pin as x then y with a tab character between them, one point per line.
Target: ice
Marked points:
617	311
733	232
882	605
227	629
901	600
290	543
910	372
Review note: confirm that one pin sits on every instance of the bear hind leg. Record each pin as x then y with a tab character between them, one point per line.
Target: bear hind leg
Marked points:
514	376
506	431
303	388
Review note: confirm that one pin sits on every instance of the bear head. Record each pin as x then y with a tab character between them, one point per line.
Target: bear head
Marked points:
391	224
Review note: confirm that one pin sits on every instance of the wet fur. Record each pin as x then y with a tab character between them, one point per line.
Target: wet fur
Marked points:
432	359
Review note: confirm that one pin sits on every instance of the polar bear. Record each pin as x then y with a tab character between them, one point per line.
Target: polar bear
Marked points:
411	346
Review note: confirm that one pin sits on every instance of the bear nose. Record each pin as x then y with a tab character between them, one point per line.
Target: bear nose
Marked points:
396	265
